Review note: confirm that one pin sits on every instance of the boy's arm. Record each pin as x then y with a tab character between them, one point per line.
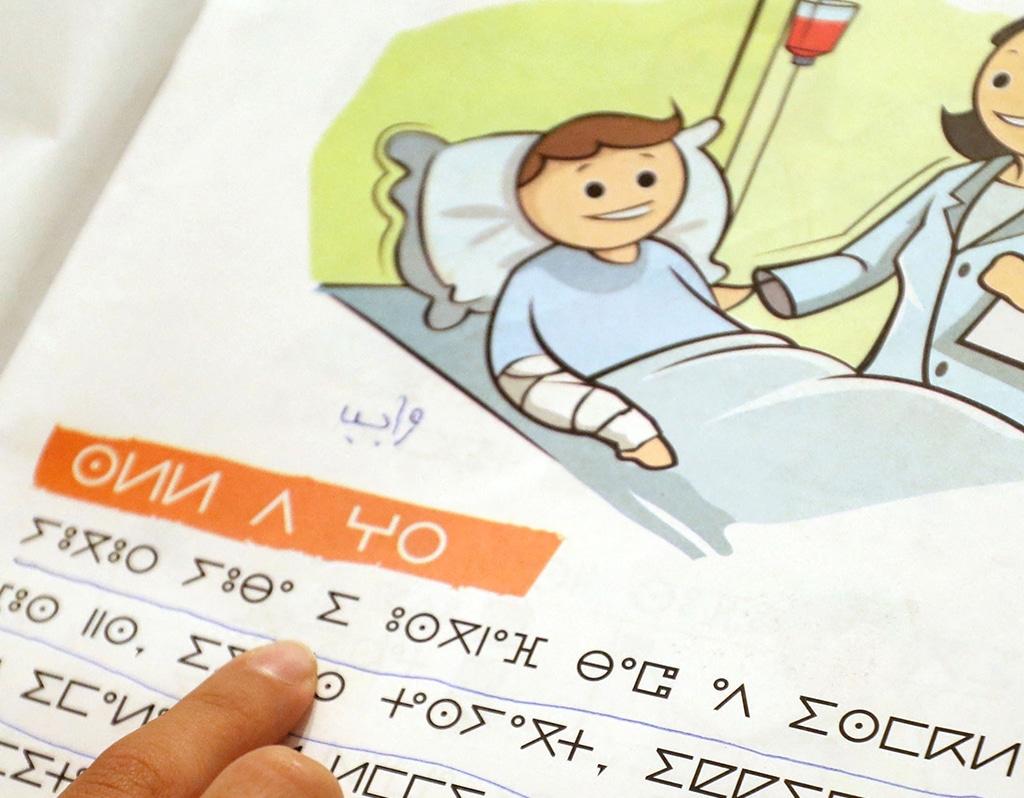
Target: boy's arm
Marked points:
547	392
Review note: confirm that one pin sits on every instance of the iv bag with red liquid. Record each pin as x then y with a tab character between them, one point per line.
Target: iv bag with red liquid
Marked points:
817	27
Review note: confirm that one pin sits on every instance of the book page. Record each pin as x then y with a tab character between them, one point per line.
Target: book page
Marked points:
358	348
77	79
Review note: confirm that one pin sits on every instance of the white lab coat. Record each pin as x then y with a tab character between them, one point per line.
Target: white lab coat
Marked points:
940	298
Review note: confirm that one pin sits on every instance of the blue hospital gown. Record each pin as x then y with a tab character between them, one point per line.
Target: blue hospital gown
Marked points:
593	316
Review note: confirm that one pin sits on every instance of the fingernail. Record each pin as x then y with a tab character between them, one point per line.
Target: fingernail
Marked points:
286	661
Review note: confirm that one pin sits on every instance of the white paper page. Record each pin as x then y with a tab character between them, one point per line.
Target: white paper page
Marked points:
1000	331
485	623
77	78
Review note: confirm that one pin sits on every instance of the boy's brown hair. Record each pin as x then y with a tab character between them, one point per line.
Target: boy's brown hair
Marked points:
582	136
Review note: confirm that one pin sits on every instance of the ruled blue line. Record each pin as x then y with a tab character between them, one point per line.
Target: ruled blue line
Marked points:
415	759
652	726
46	742
94	663
81	581
522	702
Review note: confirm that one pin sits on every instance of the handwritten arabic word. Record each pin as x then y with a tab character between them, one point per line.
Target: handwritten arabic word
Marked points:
398	426
444	714
93	545
468	636
253	588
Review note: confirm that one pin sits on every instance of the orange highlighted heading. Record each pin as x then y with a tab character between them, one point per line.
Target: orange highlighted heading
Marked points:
283	511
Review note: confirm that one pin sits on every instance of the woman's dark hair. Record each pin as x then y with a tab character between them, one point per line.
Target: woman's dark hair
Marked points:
965	132
1004	34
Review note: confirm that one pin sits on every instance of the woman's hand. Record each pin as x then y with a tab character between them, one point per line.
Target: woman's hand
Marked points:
220	740
1005	277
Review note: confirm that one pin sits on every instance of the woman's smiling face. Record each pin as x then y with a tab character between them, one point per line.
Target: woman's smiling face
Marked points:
999	94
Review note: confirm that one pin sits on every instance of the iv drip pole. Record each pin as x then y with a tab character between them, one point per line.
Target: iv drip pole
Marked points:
800	39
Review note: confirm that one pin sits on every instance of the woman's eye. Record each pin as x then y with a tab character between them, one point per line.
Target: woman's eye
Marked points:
594	189
1001	80
646	179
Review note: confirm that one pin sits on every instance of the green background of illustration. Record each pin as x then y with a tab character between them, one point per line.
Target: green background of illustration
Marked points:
860	125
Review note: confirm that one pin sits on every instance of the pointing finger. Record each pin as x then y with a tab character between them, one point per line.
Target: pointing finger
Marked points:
253	701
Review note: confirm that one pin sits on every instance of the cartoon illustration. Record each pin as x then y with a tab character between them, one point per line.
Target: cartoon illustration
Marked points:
570	282
956	246
598	187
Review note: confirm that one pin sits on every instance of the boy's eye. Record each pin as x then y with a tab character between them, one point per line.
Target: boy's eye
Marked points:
646	179
594	189
1001	80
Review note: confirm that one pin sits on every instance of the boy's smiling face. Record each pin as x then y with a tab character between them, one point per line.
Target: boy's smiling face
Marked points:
612	199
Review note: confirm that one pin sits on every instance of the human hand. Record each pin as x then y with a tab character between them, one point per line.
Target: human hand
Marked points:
654	454
1005	278
729	296
220	740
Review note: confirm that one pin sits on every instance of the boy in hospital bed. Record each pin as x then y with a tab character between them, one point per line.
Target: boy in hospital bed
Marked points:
589	250
599	187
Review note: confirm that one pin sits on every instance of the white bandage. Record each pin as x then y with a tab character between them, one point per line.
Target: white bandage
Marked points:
553	399
596	409
629	430
557	398
520	376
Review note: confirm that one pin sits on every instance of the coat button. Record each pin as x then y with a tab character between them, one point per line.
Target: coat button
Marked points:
964	270
941	369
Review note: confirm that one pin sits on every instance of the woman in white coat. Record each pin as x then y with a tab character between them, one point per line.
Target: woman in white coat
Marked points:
957	247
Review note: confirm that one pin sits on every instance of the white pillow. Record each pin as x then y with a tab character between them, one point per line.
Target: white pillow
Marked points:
475	234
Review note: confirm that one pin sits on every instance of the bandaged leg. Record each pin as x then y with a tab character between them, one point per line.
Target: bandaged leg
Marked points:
546	392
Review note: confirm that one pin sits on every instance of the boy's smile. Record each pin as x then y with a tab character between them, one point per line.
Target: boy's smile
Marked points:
610	200
635	212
